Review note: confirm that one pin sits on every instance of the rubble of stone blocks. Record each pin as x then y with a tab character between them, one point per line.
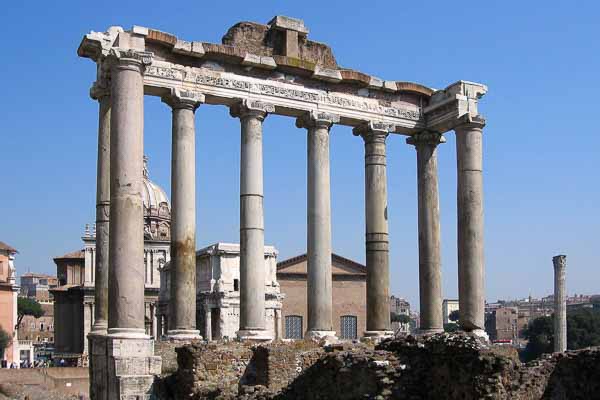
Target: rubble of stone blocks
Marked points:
441	366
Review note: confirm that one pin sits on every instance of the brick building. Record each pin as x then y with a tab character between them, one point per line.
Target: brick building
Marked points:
503	324
349	296
39	330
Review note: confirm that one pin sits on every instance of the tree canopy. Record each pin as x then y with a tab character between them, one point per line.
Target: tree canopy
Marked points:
27	306
402	318
5	340
583	330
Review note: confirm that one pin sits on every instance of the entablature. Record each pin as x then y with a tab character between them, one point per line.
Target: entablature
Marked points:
276	63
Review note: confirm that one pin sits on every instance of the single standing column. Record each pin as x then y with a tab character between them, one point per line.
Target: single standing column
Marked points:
126	244
560	304
374	135
430	269
207	324
252	240
470	226
182	304
101	92
319	296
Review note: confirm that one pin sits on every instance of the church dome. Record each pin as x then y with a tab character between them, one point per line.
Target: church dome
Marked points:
152	194
157	209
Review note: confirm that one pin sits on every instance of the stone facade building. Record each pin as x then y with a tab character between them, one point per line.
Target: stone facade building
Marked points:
39	330
348	293
75	297
37	286
218	292
8	300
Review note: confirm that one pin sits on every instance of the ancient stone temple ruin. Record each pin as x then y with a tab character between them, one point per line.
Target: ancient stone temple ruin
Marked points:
257	70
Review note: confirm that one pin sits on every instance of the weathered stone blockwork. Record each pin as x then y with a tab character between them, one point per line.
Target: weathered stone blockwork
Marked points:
442	366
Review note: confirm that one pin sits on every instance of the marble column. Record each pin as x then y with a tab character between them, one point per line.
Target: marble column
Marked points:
252	241
126	244
319	285
430	267
182	304
101	92
374	135
207	324
560	303
470	226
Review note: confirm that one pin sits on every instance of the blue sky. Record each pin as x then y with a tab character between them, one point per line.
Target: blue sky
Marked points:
540	61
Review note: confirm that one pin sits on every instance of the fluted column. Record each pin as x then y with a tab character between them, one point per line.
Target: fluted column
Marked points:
430	268
182	304
252	237
319	296
470	226
560	303
126	244
374	135
101	92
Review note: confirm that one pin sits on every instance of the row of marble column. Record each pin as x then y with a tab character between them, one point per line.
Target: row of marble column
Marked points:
120	153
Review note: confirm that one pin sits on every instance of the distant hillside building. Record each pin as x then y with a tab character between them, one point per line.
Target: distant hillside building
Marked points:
74	298
38	286
349	296
400	306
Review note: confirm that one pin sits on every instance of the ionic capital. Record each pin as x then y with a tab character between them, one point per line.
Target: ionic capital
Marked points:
100	89
467	122
317	119
373	131
183	99
129	59
426	138
251	108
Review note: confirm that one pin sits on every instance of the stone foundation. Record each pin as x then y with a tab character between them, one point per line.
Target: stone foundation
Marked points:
442	366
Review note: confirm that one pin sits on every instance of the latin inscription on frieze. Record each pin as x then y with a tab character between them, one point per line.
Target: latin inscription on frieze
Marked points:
348	102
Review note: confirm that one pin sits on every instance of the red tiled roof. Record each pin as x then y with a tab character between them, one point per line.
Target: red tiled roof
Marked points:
334	257
79	254
6	247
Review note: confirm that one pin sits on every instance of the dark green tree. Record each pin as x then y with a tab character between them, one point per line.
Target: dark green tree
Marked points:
583	330
451	327
402	318
27	306
454	316
5	340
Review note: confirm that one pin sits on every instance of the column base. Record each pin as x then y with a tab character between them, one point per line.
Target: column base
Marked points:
427	332
99	328
377	336
184	334
254	335
320	336
480	334
130	367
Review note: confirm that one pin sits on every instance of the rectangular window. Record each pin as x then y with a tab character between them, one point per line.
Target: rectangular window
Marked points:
293	327
348	327
236	285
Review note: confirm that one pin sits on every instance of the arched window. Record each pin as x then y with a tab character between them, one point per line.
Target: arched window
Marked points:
293	327
348	327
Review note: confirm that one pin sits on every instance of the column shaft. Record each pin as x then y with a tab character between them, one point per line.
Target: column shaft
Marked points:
430	271
126	244
560	303
470	226
182	305
376	238
319	285
252	241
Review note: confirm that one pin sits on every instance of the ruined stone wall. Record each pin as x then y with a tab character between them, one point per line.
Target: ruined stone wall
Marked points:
443	366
